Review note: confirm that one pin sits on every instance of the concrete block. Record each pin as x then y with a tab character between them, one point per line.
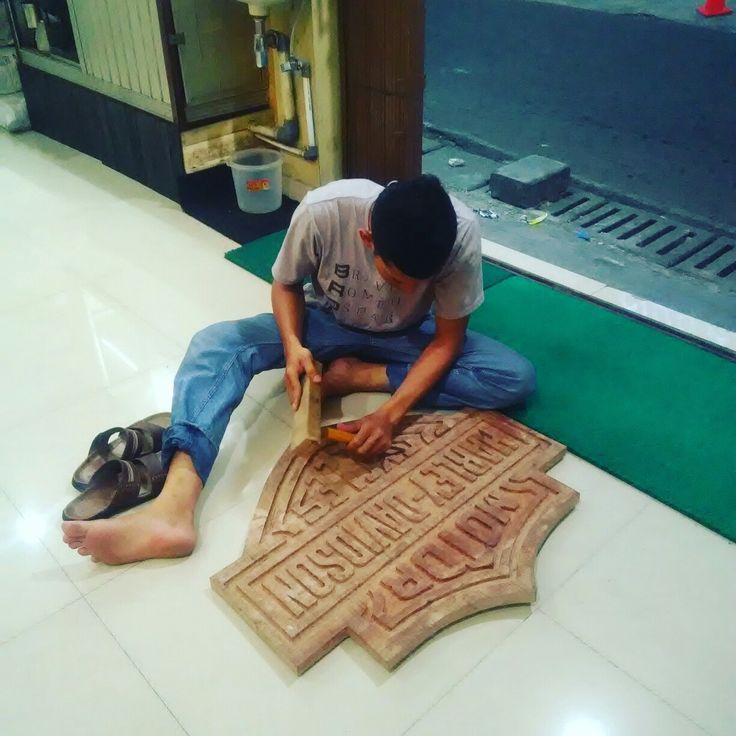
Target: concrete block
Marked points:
530	180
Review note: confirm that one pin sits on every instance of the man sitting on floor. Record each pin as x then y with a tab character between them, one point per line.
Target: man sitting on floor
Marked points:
379	259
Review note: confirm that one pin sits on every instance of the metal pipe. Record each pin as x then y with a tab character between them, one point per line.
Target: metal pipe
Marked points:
259	42
282	146
306	80
285	88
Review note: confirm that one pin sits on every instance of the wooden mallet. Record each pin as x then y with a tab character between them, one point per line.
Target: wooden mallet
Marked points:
308	417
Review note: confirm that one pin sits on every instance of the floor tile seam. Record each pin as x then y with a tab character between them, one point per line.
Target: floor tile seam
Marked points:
121	384
43	544
486	655
123	570
600	550
116	303
135	665
69	209
27	629
29	303
265	408
68	218
71	346
629	675
140	314
608	537
35	417
68	400
206	522
54	557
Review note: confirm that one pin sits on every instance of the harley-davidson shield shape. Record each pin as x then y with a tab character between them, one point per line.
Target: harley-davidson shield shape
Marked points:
389	551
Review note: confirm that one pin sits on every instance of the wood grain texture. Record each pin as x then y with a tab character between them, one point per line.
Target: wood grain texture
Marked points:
308	416
383	87
120	43
389	551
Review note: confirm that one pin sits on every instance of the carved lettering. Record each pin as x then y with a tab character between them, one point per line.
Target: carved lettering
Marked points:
354	530
408	583
468	546
318	500
499	440
388	549
336	566
390	517
380	528
352	549
312	578
481	526
290	593
411	512
440	561
438	483
475	465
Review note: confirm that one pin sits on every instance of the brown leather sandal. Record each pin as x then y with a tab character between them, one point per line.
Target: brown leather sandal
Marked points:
122	443
117	486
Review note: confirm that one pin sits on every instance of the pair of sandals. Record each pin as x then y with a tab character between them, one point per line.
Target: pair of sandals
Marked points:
123	469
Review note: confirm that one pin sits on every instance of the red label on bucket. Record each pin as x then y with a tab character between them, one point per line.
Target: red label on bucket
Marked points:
258	185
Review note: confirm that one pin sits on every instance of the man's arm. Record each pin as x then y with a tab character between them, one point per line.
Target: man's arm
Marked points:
431	365
375	431
287	302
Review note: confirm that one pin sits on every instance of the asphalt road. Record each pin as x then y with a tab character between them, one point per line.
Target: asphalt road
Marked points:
640	106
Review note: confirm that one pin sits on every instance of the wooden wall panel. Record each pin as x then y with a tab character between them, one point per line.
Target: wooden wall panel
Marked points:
120	43
136	143
383	81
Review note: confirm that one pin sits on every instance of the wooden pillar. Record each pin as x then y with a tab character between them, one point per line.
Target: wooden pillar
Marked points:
383	83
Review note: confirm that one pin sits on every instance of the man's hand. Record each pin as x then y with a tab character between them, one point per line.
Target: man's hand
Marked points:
299	361
373	433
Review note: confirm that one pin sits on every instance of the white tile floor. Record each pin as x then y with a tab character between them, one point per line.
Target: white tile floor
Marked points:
103	283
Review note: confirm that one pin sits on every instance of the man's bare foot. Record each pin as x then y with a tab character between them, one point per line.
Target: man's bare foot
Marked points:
147	533
162	528
347	375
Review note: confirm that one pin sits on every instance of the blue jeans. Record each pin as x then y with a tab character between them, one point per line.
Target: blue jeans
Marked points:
223	358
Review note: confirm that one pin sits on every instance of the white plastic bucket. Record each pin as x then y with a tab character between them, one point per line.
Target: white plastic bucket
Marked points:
257	179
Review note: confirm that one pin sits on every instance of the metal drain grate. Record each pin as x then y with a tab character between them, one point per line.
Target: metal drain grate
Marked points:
661	239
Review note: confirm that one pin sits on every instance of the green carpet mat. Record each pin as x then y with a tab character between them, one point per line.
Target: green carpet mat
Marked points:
649	408
258	257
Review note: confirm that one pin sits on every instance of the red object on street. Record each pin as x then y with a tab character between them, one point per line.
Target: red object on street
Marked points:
714	7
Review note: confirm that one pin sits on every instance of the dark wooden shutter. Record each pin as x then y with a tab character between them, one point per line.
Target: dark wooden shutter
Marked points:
383	85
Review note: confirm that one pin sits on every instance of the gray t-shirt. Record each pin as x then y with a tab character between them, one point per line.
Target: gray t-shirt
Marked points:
323	243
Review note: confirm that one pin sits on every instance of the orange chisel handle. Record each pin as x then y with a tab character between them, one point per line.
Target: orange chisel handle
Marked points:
338	435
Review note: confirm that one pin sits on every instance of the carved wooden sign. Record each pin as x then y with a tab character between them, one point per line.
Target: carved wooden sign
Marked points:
389	551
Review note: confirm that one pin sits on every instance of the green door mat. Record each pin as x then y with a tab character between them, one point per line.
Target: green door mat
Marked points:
258	256
649	408
643	405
